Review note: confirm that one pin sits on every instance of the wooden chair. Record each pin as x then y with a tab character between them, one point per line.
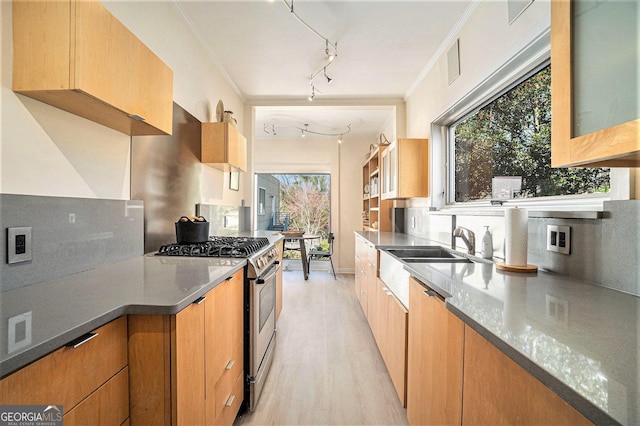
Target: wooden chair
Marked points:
318	254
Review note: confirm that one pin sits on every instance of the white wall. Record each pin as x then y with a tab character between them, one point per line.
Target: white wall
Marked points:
46	151
487	41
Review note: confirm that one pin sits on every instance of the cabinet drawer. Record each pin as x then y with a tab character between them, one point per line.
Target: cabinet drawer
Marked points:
109	405
226	383
68	375
231	401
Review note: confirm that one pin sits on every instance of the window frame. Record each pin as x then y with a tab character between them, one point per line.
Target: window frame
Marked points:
531	59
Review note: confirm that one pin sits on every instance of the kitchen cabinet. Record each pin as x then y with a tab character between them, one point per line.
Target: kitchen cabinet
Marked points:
405	169
434	361
362	272
188	368
594	84
224	351
389	327
224	147
76	56
376	213
499	391
280	246
90	380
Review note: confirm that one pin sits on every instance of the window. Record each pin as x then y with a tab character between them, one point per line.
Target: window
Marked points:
503	150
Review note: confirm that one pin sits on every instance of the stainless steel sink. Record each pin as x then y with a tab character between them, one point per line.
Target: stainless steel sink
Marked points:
427	255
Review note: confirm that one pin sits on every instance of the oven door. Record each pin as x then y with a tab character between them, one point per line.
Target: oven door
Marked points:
262	320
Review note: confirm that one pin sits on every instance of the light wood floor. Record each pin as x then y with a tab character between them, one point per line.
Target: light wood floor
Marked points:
327	368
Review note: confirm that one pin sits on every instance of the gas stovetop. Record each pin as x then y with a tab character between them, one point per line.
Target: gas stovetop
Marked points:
217	247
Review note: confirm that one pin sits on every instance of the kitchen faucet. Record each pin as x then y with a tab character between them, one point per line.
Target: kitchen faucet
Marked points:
469	241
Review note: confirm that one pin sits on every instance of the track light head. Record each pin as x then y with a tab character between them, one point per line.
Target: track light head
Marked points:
340	139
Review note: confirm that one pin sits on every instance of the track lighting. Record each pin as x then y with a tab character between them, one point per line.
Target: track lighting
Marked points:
329	79
331	49
313	92
271	129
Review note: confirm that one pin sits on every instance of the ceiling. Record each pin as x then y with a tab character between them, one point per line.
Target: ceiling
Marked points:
383	50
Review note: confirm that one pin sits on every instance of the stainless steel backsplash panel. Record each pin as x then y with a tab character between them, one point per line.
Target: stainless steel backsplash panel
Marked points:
166	175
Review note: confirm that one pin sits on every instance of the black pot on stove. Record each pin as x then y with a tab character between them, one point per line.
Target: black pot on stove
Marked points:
192	230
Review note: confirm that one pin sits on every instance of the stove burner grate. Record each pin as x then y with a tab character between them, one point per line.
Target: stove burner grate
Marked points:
217	247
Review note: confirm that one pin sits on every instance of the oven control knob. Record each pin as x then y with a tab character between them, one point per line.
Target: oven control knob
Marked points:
260	263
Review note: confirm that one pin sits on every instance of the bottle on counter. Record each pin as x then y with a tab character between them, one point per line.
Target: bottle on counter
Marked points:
487	245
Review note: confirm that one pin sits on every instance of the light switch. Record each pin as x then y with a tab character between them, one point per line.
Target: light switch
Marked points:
559	239
18	244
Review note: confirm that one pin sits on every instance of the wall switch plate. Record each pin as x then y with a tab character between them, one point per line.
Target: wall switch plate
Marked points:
18	244
559	239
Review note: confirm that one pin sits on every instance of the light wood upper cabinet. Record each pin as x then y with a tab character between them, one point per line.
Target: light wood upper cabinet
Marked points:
594	84
76	56
224	147
405	169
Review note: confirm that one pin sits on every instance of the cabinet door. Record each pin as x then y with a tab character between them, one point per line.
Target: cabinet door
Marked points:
389	172
188	365
594	102
435	350
224	342
396	345
36	24
103	66
68	375
499	391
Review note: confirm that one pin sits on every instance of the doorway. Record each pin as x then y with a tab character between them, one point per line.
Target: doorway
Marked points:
295	201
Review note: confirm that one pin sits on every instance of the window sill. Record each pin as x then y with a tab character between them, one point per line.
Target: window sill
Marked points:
578	207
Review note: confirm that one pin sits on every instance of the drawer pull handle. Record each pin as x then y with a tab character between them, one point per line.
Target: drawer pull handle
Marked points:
229	278
430	293
230	401
199	300
137	117
230	365
81	340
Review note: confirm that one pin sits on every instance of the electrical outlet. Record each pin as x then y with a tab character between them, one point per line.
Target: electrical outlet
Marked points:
559	239
18	244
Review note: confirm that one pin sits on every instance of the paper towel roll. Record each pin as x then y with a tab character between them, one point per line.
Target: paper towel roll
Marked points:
516	234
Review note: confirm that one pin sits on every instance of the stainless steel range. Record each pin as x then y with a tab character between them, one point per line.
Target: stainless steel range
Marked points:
260	300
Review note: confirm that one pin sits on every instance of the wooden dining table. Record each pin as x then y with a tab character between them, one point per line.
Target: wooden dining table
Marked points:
303	250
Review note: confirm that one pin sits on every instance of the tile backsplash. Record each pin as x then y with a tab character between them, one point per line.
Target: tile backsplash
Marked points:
69	235
603	251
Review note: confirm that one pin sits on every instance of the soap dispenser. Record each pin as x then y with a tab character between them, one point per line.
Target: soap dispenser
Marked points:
487	245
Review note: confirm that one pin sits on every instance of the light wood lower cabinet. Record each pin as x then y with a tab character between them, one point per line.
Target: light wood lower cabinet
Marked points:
184	368
499	391
89	381
108	405
395	346
362	272
435	356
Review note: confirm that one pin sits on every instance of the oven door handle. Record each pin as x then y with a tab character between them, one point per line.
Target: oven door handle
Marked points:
273	270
